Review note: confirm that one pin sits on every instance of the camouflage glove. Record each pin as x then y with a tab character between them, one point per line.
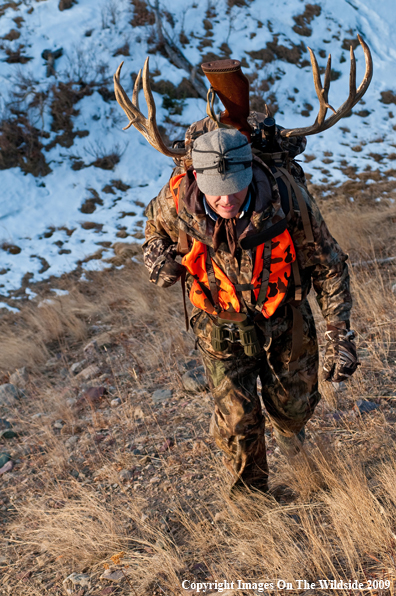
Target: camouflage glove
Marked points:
165	270
340	360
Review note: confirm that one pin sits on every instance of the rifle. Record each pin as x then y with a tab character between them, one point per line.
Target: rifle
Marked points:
232	88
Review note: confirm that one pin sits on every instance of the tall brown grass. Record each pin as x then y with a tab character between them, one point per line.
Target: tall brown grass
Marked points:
340	520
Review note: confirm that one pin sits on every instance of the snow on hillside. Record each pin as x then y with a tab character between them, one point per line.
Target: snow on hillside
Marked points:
43	231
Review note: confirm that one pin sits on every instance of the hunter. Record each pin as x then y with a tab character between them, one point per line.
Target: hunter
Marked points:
236	223
220	211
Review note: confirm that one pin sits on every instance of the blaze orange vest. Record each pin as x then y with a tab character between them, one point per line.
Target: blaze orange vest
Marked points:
282	256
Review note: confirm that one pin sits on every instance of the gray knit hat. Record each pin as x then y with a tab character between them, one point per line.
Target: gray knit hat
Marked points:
222	159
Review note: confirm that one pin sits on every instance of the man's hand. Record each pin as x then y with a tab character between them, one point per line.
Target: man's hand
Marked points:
340	360
165	270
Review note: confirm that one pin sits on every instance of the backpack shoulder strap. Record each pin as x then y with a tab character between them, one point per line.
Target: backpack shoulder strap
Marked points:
285	184
176	185
301	203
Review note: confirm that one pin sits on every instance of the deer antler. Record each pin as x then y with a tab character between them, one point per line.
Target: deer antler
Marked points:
147	126
320	123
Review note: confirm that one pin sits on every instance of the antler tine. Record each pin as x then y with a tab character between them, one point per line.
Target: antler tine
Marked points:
136	89
354	96
122	98
146	126
148	94
352	74
326	85
368	75
318	88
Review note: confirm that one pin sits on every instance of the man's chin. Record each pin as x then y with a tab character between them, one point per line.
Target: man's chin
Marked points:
227	214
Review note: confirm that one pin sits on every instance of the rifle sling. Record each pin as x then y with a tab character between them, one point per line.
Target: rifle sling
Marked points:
211	277
182	249
297	281
183	286
264	276
182	245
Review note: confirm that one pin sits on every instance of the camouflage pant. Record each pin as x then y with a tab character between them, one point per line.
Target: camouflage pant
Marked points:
289	397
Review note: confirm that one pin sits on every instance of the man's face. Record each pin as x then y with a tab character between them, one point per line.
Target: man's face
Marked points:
227	206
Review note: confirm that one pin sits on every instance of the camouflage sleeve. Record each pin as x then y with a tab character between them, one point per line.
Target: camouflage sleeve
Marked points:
329	270
161	233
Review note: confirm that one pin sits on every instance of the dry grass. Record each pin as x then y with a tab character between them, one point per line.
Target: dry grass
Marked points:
335	520
364	232
63	321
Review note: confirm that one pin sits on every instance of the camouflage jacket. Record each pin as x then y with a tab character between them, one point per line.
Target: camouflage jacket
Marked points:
321	263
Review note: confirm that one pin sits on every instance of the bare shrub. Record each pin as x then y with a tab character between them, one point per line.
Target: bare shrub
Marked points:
275	50
303	20
12	35
6	5
388	97
17	56
109	13
64	98
142	15
21	146
123	50
25	93
66	4
85	68
104	157
238	3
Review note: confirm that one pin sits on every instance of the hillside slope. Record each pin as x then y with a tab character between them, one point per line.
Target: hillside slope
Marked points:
73	182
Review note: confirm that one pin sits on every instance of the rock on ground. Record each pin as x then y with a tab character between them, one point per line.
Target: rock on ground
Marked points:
194	380
71	441
20	378
4	458
8	395
89	372
77	367
7	467
113	576
76	579
161	395
364	406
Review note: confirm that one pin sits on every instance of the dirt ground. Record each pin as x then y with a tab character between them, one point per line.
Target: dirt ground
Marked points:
116	486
